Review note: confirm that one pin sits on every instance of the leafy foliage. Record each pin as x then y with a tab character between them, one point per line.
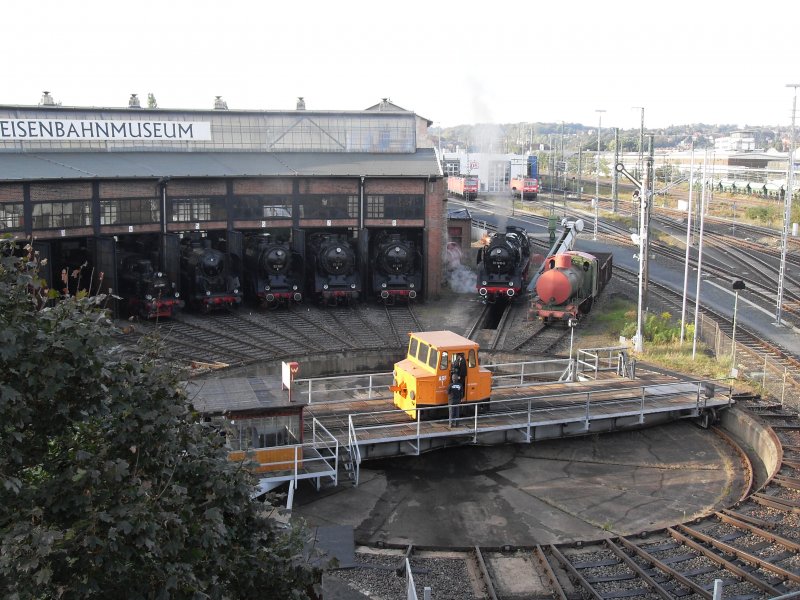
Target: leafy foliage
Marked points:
110	486
657	328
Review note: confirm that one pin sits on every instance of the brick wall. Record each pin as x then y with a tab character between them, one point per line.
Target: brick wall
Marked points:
61	191
435	236
11	192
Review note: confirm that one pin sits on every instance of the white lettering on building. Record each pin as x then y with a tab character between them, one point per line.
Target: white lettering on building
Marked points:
68	129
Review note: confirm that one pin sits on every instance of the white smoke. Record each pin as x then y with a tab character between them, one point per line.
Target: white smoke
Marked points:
460	278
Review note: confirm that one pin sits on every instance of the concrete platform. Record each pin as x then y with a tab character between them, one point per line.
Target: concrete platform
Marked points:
549	492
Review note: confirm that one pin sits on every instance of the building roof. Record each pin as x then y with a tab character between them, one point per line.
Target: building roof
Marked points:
130	165
238	394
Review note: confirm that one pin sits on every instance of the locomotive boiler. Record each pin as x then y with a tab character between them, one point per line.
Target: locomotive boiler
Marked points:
207	278
272	272
504	264
334	270
570	284
146	292
396	268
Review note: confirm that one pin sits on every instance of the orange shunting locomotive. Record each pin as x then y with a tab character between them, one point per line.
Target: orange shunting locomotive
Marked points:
438	366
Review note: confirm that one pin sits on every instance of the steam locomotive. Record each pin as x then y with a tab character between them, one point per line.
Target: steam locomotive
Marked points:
333	273
147	293
272	272
208	280
396	268
505	263
569	285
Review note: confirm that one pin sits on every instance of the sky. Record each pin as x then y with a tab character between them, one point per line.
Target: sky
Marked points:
456	62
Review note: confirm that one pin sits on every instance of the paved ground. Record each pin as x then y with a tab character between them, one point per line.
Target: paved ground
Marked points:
549	492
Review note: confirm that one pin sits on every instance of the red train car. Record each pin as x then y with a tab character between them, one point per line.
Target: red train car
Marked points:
524	187
464	187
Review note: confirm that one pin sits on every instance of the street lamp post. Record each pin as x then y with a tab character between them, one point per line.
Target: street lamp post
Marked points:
787	215
738	285
600	112
572	323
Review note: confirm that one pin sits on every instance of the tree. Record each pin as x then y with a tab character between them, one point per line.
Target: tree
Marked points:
110	485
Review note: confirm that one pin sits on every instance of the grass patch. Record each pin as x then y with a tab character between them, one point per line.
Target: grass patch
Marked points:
662	346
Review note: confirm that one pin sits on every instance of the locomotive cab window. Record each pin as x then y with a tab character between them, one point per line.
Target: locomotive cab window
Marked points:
443	363
412	347
433	358
472	359
422	355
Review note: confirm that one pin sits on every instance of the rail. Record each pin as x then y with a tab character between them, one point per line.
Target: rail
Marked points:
528	412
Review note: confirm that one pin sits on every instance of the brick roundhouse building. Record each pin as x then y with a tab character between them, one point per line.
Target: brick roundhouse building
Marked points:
95	179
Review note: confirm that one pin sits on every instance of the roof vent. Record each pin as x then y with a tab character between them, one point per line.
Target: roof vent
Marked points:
301	104
47	100
384	105
219	103
133	102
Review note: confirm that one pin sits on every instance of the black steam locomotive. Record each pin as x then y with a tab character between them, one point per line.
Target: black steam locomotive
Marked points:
272	273
145	292
333	267
505	262
396	268
208	280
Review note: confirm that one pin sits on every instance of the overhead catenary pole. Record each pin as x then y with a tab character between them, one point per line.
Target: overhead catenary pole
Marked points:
699	257
600	112
615	174
787	212
688	246
647	204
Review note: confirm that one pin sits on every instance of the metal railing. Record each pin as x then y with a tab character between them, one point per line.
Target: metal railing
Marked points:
592	361
764	371
353	449
527	412
317	458
340	388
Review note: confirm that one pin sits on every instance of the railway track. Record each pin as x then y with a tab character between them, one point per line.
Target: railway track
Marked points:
743	336
245	335
752	549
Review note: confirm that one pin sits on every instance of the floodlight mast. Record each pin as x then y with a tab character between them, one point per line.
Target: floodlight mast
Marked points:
787	212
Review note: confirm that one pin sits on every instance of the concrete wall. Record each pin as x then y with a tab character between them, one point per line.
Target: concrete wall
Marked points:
755	434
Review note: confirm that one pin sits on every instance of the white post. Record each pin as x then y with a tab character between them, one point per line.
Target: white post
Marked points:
717	590
597	174
699	257
638	345
688	246
572	366
787	215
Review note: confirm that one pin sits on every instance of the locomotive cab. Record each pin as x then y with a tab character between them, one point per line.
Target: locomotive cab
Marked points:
423	378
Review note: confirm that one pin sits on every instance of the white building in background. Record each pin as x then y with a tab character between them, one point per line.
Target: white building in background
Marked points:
494	171
738	141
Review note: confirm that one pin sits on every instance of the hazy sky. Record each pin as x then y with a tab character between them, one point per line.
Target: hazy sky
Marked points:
453	62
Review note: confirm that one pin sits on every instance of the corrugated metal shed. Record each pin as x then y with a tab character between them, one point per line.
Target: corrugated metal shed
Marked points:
126	165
